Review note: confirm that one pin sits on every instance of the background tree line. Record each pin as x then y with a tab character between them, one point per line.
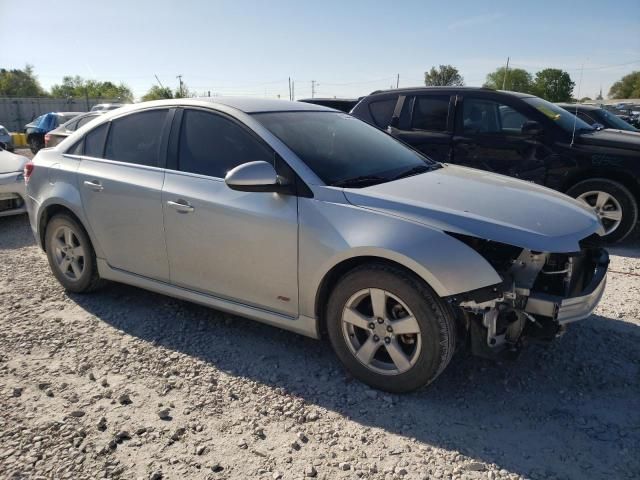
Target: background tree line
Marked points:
552	84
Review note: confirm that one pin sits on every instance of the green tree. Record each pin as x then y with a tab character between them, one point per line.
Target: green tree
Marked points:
518	80
445	75
554	85
20	83
157	93
627	87
77	86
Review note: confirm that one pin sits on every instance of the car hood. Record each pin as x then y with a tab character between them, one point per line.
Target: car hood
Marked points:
484	205
612	138
10	162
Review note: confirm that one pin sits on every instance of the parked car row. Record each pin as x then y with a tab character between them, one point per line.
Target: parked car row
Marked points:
599	118
12	185
37	130
309	219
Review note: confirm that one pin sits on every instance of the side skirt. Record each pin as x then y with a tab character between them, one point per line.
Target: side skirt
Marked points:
302	325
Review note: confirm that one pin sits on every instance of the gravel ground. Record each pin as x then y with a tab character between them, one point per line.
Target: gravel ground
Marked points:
126	384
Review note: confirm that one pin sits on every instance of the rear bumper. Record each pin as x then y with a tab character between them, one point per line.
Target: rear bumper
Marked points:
12	194
570	309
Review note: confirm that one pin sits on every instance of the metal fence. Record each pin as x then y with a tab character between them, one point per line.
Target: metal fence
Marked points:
16	112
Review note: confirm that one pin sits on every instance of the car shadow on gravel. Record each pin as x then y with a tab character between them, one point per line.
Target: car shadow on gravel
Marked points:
568	410
15	232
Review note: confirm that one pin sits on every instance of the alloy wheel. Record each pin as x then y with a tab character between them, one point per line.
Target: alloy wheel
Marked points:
69	253
606	207
381	332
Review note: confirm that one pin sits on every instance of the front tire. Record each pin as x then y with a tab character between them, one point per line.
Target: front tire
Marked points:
614	204
389	329
71	255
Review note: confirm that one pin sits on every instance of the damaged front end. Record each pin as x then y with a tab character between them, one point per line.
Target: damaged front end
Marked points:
540	293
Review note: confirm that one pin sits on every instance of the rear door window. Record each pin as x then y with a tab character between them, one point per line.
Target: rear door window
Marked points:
382	111
431	113
211	145
136	138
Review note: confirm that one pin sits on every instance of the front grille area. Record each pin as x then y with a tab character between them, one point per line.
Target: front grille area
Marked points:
566	275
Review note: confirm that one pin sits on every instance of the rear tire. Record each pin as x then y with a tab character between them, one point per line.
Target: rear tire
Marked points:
402	344
35	144
617	201
71	255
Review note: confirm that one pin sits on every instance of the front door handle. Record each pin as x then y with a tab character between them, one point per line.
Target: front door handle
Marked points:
94	185
181	206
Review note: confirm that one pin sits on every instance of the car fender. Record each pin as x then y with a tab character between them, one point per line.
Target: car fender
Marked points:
332	233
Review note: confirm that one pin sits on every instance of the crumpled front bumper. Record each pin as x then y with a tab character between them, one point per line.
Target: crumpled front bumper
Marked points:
12	194
570	309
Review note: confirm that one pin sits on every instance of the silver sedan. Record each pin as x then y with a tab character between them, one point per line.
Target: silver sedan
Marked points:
12	188
308	219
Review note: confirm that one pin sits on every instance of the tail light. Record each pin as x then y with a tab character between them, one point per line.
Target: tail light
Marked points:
28	170
47	139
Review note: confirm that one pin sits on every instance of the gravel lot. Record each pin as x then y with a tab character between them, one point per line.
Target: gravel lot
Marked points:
126	384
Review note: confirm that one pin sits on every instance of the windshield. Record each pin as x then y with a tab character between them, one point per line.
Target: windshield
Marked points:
614	121
558	114
343	150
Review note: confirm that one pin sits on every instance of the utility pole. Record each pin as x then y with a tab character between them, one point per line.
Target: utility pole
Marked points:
506	70
290	95
159	82
398	80
313	88
179	77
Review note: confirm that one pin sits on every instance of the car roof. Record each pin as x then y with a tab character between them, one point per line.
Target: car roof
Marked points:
243	104
327	99
450	89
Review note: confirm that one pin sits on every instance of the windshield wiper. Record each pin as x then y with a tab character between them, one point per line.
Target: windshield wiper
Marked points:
361	181
418	169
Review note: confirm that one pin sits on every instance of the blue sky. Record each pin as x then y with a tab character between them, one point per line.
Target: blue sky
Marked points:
349	47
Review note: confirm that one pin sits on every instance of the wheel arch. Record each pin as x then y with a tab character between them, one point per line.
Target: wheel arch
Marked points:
627	179
48	212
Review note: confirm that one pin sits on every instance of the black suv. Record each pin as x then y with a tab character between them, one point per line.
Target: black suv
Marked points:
521	136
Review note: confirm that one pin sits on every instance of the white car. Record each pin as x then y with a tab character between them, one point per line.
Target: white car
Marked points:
12	189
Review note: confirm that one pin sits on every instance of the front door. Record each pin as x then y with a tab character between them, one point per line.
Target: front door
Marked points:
240	246
121	185
489	137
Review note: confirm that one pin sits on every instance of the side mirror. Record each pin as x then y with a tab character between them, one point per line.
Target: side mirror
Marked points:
254	177
598	126
395	121
531	127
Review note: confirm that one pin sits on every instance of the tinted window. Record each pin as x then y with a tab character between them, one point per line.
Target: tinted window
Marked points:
94	141
487	116
76	148
559	115
431	113
339	147
382	110
83	121
136	138
212	145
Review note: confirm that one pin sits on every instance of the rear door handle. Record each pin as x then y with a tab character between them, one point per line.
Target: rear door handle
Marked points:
94	185
181	206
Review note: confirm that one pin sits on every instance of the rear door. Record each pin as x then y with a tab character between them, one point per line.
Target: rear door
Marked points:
489	137
240	246
120	179
426	123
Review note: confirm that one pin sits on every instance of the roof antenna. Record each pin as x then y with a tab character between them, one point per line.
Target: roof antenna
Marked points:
575	115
